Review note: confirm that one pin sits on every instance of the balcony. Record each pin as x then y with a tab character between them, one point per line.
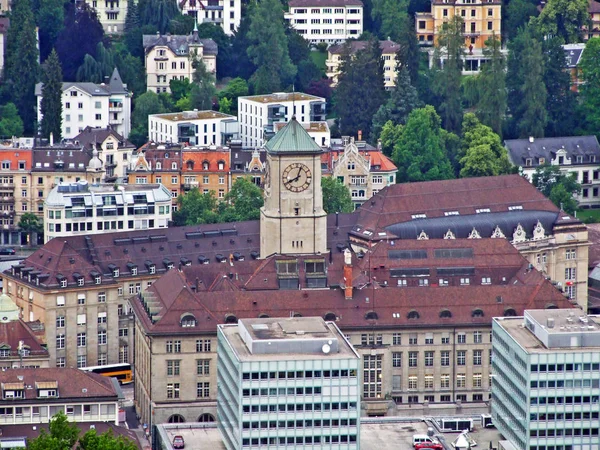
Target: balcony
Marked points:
115	121
112	9
190	185
115	108
110	164
7	199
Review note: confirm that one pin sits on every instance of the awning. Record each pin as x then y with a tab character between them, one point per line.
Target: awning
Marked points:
46	385
12	386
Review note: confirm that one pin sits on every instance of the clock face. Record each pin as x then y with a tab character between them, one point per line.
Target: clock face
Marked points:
297	177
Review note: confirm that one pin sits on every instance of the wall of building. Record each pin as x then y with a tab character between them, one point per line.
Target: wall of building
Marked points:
329	24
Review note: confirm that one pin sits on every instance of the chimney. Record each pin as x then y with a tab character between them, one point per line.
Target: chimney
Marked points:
168	37
51	139
348	274
379	147
531	139
360	135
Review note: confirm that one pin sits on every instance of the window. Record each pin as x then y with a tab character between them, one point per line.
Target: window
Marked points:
462	338
413	359
61	361
429	359
396	339
429	339
477	380
101	337
445	357
461	357
203	367
477	357
477	339
571	253
81	299
203	345
60	300
123	332
413	340
461	379
397	359
81	339
81	361
203	389
445	381
101	317
81	319
372	376
428	381
173	346
173	367
123	354
60	341
570	273
413	381
173	390
60	321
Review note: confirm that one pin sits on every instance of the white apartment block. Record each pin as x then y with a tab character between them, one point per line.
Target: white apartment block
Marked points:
192	128
111	14
329	21
257	114
169	58
82	209
94	105
225	13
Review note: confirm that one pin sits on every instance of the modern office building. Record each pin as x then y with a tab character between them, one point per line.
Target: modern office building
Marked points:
546	385
290	382
192	128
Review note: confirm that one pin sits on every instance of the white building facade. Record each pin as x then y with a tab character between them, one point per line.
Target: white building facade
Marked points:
80	209
328	21
257	114
192	128
111	14
224	13
290	383
95	105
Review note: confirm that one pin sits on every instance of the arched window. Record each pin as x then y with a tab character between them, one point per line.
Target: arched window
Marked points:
297	315
445	314
477	313
158	166
221	165
230	318
190	164
188	320
206	417
551	306
174	166
330	317
205	165
413	315
176	418
510	312
371	315
263	316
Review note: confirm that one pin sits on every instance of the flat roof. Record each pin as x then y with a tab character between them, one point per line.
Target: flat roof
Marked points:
281	97
185	116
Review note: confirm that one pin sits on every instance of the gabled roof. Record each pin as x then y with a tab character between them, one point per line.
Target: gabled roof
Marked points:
291	139
115	86
573	54
11	333
520	150
179	44
91	135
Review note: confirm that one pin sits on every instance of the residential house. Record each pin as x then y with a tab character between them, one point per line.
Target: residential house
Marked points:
15	190
207	169
4	25
389	50
192	128
326	21
113	150
80	208
257	114
95	105
111	14
247	163
169	57
594	12
573	54
225	13
579	155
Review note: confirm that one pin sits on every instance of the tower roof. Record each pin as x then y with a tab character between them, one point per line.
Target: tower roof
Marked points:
292	139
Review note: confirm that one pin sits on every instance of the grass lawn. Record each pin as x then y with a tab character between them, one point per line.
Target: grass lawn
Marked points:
589	215
319	59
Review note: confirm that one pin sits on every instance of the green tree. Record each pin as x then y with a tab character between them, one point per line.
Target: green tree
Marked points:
131	69
244	65
409	55
89	71
10	122
62	435
179	88
564	18
492	86
589	91
238	87
50	18
517	14
105	441
561	188
389	17
147	103
419	152
390	134
402	101
226	64
30	224
203	87
225	105
196	208
242	202
448	56
336	196
51	106
268	48
158	13
360	90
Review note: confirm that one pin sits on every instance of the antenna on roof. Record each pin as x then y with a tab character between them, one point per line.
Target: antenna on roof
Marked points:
294	101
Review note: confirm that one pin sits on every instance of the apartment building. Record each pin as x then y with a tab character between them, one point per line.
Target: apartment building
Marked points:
192	128
169	57
80	208
33	396
259	359
15	200
207	169
326	21
90	104
592	29
257	114
389	51
114	151
546	386
111	14
224	13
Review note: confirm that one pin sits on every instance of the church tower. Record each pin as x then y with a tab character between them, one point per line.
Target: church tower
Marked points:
292	220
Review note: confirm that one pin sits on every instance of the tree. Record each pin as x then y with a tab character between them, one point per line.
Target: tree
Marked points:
389	17
51	106
235	88
590	89
492	86
10	122
89	71
564	18
242	202
226	64
62	435
517	14
50	18
131	69
402	101
157	13
558	186
196	208
105	441
244	66
147	103
448	56
360	90
409	55
419	152
390	134
30	224
203	87
80	21
336	196
268	48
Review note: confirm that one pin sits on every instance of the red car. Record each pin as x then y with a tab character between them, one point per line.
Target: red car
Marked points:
178	442
429	445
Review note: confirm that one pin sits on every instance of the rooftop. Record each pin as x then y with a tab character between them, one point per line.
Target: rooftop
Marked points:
64	194
324	3
185	116
292	138
279	97
386	46
577	149
179	44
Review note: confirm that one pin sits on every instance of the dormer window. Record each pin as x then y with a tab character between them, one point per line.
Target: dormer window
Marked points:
528	162
46	389
221	165
188	320
151	267
80	281
4	351
116	273
62	281
132	268
174	166
579	159
98	279
158	166
205	165
593	158
114	269
190	165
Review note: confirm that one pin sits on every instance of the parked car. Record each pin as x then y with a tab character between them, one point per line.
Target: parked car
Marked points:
429	446
7	251
423	439
178	442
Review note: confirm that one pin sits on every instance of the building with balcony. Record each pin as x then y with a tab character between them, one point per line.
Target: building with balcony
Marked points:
481	21
195	128
95	105
389	50
328	21
546	386
305	363
15	199
111	14
224	13
207	169
113	150
170	57
34	396
579	155
80	208
257	114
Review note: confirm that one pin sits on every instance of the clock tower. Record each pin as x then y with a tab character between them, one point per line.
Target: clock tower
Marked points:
292	220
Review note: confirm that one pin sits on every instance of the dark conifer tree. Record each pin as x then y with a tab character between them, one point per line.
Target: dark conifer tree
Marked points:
51	106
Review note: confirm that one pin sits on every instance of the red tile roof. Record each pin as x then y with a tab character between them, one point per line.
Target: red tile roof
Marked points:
13	332
197	157
16	155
